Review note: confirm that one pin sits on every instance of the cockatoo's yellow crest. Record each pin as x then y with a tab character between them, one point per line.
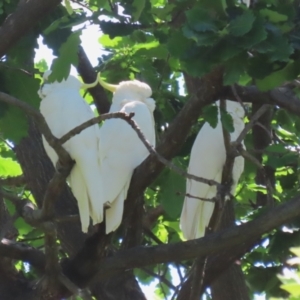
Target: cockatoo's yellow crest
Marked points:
108	86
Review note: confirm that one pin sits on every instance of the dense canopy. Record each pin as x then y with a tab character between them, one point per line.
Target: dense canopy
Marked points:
192	53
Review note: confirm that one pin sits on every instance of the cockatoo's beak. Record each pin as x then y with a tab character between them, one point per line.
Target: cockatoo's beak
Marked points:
108	86
91	85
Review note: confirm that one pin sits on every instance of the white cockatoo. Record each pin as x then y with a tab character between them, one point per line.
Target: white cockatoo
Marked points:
121	150
207	159
63	109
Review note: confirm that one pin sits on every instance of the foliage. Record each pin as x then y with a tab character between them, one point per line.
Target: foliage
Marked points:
255	46
291	277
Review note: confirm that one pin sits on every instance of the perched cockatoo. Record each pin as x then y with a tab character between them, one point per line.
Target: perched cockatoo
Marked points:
64	109
207	159
121	150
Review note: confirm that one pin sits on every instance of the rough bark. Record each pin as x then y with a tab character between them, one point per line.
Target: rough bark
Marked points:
87	72
262	138
231	283
38	170
26	15
13	285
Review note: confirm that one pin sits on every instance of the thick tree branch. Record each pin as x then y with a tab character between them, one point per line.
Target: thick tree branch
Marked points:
142	256
13	181
23	252
27	14
281	96
88	74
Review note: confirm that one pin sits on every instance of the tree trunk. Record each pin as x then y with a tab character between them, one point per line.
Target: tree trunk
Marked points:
38	171
231	283
262	138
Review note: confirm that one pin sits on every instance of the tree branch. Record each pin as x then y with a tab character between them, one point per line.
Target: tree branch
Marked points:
281	96
23	252
142	256
27	14
88	74
13	181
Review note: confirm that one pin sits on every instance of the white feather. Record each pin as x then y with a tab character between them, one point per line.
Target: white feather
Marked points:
121	149
207	159
64	109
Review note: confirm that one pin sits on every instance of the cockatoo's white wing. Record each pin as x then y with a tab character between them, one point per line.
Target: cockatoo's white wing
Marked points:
207	160
64	109
121	152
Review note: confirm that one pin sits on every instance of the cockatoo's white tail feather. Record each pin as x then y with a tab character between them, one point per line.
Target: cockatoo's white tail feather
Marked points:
89	168
115	213
80	192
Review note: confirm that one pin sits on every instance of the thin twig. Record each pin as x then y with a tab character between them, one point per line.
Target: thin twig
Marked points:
256	162
251	123
70	218
213	200
160	278
238	98
75	290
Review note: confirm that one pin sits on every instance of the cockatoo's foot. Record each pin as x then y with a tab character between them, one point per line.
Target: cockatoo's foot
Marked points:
106	205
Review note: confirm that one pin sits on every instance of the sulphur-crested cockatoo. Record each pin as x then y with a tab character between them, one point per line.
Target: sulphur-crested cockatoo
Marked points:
64	109
121	150
207	159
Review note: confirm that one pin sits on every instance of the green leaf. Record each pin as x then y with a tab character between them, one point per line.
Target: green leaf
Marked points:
178	44
22	226
161	232
289	72
256	35
13	122
14	125
227	120
117	29
233	70
139	6
278	148
142	276
295	250
9	167
172	191
201	38
273	16
42	65
68	7
242	24
260	67
108	42
200	19
210	115
292	288
282	50
68	56
226	49
163	13
217	6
